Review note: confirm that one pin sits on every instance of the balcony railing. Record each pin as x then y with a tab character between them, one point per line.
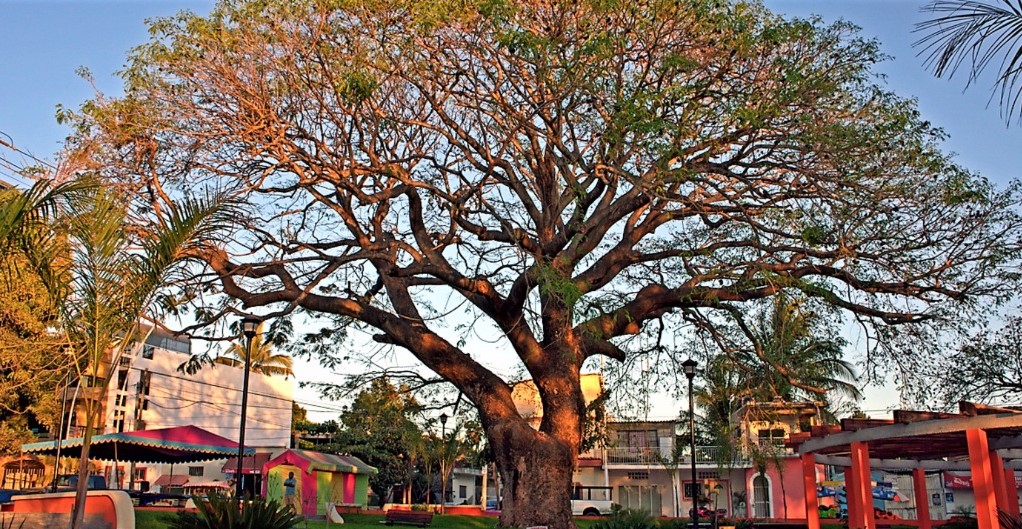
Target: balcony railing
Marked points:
657	455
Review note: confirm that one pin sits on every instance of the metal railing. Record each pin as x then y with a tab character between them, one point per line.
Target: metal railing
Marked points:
656	455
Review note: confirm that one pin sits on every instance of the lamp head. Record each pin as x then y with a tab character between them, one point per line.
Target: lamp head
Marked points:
249	324
443	419
689	366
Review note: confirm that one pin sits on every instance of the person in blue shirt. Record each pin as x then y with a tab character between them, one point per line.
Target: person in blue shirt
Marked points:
290	498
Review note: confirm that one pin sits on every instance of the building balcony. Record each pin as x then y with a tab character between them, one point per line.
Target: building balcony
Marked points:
657	456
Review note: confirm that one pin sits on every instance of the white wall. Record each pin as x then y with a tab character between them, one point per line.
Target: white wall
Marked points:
209	399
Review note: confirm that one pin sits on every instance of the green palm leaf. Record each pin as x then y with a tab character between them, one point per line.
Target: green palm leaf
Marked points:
981	35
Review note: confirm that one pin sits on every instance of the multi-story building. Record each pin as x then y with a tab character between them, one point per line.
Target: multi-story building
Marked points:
648	465
148	391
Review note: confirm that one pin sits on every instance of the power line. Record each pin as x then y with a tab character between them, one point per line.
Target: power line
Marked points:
10	145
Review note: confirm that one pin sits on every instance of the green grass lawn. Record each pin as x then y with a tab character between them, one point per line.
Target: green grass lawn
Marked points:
161	519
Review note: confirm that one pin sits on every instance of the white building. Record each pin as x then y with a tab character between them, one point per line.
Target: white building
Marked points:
149	392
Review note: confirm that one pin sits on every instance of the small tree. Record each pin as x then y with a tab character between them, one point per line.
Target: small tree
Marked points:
378	427
104	272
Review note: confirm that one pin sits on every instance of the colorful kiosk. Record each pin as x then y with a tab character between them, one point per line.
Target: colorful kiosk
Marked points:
322	479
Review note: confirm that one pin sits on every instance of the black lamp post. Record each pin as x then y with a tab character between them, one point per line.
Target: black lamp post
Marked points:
690	372
249	324
443	461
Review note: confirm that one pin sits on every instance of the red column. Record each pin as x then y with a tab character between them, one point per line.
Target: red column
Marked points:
1009	480
809	484
856	517
982	479
856	520
864	484
922	499
1000	486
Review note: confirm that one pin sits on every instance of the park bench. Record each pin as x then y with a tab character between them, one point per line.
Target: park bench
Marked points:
420	518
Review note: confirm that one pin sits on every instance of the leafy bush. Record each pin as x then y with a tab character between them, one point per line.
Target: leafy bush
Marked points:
222	512
960	522
627	519
187	520
675	523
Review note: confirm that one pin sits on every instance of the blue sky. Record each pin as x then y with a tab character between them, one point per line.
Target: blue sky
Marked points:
45	41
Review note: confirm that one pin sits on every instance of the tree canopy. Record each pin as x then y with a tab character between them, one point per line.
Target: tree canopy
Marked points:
379	428
987	369
579	178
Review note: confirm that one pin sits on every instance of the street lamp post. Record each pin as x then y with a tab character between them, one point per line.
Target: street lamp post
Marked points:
443	461
690	372
249	324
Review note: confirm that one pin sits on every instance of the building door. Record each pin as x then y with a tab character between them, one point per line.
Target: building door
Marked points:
760	497
641	498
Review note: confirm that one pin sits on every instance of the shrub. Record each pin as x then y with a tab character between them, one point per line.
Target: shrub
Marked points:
627	519
222	512
675	523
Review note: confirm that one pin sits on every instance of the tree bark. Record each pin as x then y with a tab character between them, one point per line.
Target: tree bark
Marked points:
537	470
82	489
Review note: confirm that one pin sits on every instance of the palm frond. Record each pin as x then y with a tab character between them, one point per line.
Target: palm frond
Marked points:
21	210
981	34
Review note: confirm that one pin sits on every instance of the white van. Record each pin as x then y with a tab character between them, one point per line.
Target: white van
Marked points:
591	501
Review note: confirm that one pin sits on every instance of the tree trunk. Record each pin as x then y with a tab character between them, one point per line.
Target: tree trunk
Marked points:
82	490
537	470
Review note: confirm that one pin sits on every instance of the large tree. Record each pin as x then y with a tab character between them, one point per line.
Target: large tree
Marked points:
569	174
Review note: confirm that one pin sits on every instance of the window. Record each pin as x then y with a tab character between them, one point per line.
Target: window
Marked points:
638	475
462	491
638	440
640	497
195	471
144	379
773	436
169	343
147	351
690	488
139	474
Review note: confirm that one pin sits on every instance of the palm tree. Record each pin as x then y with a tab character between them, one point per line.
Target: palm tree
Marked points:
796	355
103	270
980	33
787	350
262	358
22	210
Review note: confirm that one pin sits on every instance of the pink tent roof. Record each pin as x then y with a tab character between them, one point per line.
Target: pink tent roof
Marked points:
164	445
